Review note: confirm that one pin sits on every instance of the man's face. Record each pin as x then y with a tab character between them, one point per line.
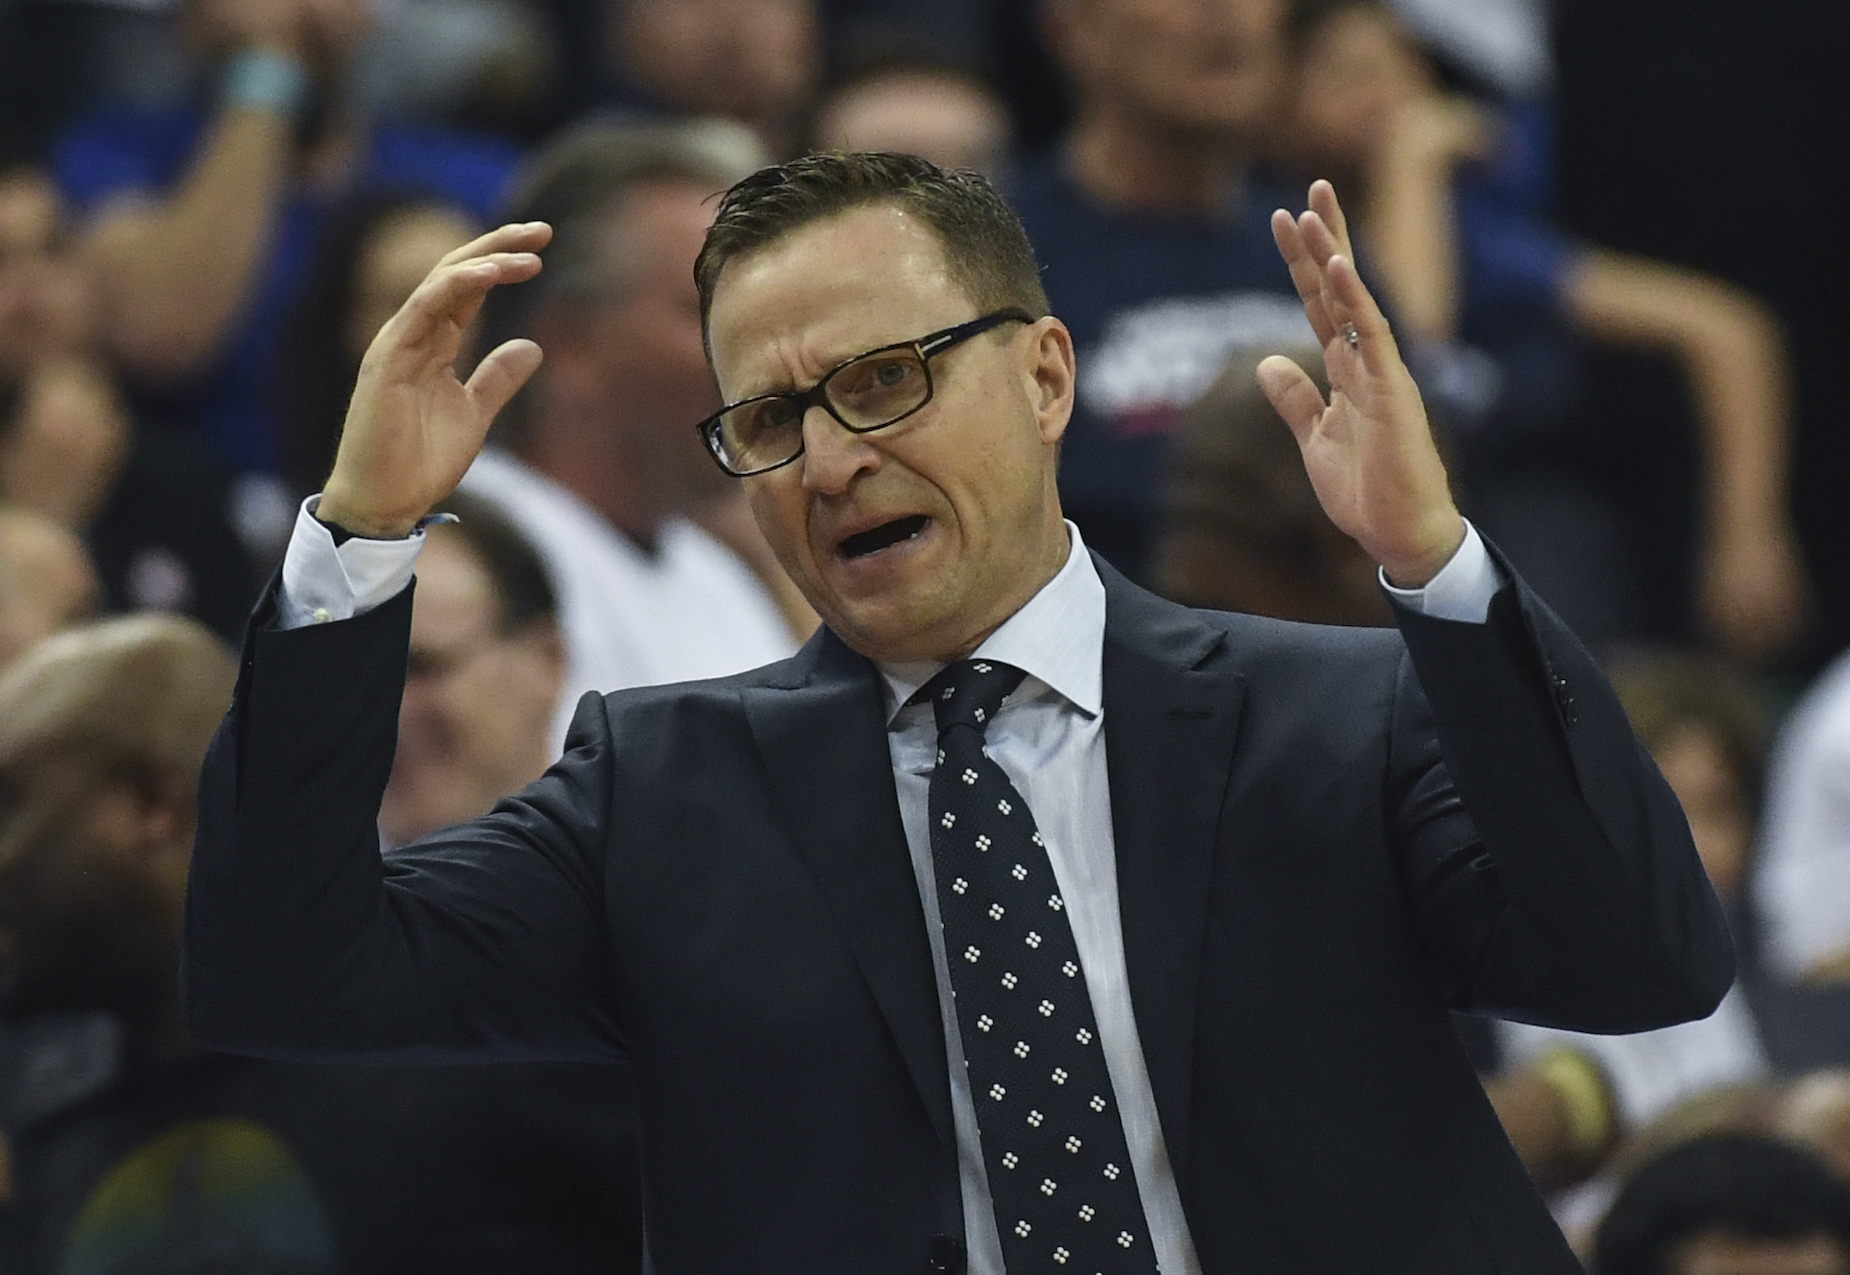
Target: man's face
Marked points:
475	723
916	541
645	339
1210	66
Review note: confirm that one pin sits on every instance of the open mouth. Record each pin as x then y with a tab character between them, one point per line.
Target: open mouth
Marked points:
874	539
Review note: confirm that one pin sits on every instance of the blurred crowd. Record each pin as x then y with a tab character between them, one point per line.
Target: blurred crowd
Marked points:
1608	236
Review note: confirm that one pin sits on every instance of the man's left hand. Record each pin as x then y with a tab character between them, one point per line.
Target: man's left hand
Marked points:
1369	450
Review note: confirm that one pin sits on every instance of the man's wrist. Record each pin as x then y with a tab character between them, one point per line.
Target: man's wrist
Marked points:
1418	572
343	533
1461	590
348	523
324	580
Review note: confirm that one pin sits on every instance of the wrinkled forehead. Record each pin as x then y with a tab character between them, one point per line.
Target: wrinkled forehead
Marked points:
826	291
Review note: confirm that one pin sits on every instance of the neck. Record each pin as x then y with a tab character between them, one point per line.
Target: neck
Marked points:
1059	546
1125	164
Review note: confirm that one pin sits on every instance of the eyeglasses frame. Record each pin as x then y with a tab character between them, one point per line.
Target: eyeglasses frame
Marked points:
925	347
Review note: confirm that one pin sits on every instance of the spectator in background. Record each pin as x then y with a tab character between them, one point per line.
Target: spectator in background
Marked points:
597	461
373	250
198	221
1462	258
917	104
1728	1204
1154	236
172	1156
755	62
64	437
1802	890
47	302
1242	529
156	513
485	671
46	580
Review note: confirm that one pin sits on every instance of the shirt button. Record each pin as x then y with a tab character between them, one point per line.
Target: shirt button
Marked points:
322	615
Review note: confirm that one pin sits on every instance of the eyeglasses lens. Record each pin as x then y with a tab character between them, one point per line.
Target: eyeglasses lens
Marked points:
869	392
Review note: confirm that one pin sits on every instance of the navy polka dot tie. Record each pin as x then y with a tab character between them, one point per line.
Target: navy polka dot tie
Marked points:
1059	1168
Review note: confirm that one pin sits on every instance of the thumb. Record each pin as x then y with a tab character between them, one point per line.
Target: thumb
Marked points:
500	375
1293	395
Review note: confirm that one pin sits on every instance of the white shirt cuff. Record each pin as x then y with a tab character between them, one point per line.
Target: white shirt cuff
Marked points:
1463	588
324	582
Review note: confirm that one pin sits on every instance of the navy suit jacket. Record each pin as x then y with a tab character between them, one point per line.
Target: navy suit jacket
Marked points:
1326	839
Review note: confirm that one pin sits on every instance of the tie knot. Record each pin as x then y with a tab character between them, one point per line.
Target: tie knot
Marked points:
969	692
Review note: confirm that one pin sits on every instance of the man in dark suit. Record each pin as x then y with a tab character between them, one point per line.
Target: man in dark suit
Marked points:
1270	856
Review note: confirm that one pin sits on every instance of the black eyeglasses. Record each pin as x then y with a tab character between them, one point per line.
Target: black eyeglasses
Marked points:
868	392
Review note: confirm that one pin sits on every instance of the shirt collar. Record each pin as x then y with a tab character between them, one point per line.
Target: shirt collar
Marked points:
1057	638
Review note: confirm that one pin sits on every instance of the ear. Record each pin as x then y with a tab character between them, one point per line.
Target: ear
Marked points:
1051	374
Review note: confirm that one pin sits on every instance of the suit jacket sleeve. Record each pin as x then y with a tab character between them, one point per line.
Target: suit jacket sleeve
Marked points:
1549	867
482	942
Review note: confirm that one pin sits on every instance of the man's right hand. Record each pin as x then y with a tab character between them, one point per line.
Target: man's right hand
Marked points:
413	427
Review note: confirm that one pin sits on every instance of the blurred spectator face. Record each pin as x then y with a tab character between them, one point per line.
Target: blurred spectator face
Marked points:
754	61
476	719
102	731
953	120
1177	66
1697	765
643	336
46	581
396	256
1355	69
47	306
1723	1253
63	447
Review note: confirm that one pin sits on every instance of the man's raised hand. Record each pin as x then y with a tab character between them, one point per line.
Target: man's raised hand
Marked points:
414	427
1369	450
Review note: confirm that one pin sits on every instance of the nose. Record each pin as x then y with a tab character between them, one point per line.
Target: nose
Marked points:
832	454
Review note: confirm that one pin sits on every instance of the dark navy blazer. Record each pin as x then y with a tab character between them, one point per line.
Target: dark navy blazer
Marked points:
1326	838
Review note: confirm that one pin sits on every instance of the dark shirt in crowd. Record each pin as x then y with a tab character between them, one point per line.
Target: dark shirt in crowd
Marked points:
1156	304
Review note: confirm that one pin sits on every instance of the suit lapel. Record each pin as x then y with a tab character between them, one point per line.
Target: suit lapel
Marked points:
823	739
1172	707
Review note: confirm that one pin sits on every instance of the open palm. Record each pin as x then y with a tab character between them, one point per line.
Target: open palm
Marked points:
1369	449
414	427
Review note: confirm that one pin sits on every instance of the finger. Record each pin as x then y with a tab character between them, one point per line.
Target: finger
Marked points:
1293	395
1320	242
1329	209
1375	342
500	375
1306	273
525	236
450	295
